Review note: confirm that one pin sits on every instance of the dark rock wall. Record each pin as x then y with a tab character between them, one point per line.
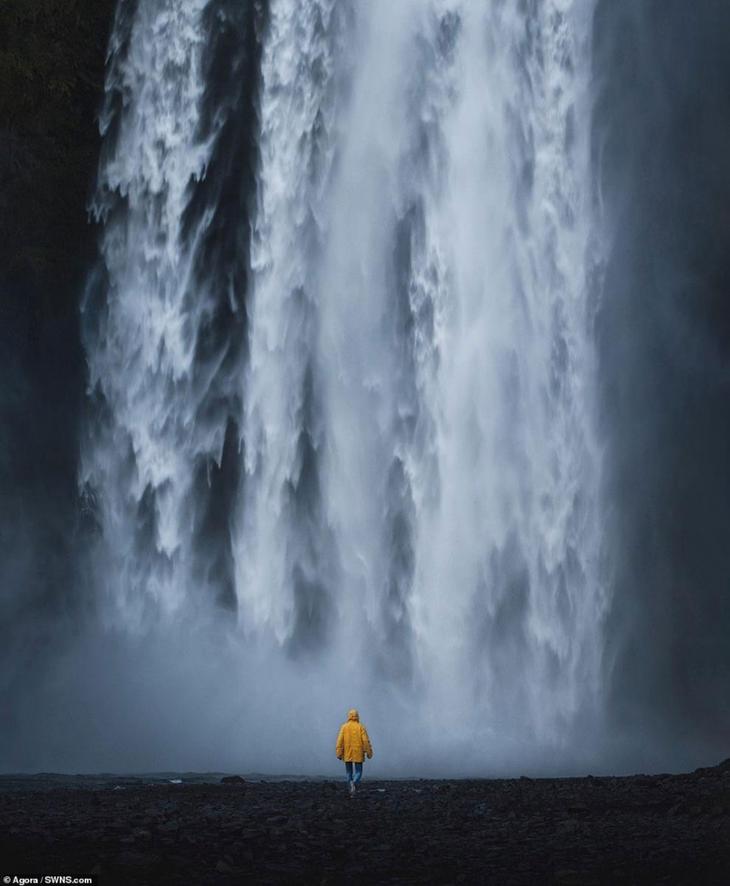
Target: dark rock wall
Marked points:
52	56
662	153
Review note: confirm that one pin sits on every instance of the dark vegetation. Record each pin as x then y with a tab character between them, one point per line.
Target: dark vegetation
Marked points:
580	831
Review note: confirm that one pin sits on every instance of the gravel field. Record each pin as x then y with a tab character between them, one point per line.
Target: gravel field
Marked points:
637	829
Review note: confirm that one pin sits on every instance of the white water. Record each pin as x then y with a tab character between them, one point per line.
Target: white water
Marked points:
142	356
417	521
297	116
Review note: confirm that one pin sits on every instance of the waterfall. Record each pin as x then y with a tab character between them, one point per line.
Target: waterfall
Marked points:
164	318
365	429
285	576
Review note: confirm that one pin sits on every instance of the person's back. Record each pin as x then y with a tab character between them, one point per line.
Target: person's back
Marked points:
353	745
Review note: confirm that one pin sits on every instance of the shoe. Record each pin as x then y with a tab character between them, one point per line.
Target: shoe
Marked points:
352	788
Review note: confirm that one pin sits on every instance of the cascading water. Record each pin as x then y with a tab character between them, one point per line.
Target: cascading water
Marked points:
284	574
393	425
141	358
163	319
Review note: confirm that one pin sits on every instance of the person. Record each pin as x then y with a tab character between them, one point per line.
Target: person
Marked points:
353	744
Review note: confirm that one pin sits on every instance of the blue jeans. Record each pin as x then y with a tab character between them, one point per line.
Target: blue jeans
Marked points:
358	771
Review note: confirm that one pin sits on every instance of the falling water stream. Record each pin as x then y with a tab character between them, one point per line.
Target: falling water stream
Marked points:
373	447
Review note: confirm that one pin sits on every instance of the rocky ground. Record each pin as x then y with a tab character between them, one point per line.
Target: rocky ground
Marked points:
639	829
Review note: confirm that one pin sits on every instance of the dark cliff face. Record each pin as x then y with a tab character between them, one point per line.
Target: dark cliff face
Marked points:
661	146
51	82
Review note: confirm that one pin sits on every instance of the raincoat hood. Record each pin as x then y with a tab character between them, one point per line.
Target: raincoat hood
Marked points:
353	715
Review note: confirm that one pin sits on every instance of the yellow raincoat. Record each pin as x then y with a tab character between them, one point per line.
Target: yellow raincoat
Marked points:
353	742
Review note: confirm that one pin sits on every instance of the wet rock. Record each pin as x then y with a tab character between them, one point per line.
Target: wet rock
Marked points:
577	808
233	779
129	858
